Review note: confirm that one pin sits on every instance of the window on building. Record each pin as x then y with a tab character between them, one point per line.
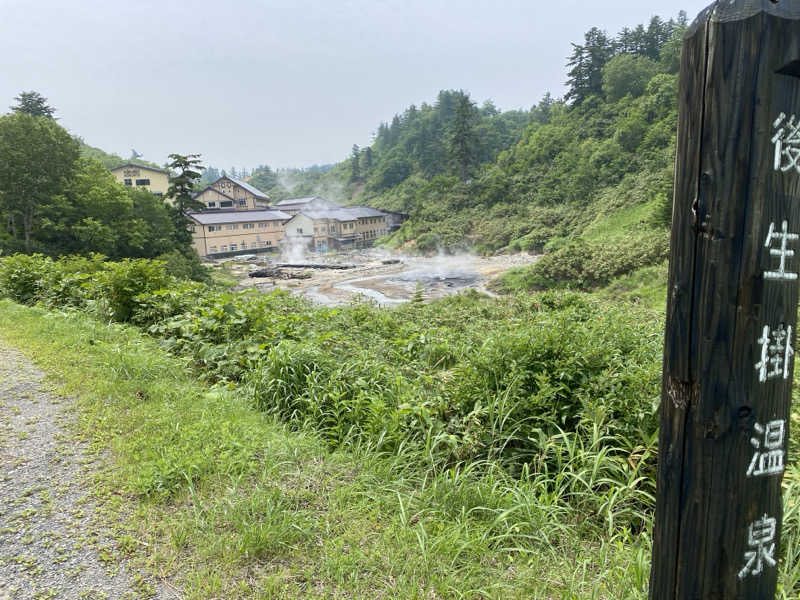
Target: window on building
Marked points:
142	182
234	247
242	202
268	243
244	245
226	204
223	248
128	182
300	230
249	226
212	204
215	227
212	250
276	224
262	225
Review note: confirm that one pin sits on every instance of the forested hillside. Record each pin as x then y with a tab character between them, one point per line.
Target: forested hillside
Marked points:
594	165
57	197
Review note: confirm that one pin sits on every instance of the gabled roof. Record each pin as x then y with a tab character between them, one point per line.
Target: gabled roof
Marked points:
128	165
213	189
215	217
350	213
255	191
298	201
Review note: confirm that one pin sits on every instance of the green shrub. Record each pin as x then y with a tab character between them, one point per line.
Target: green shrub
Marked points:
22	275
122	282
587	265
185	266
71	281
152	308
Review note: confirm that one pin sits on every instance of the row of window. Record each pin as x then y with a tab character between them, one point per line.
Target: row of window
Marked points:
345	226
226	204
241	246
138	182
235	226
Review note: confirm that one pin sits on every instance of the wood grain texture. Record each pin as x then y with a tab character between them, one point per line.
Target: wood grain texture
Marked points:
736	78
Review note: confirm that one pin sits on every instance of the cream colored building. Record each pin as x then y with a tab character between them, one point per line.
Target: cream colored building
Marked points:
217	232
356	226
140	176
227	193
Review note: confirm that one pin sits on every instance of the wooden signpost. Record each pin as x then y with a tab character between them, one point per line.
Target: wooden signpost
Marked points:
732	305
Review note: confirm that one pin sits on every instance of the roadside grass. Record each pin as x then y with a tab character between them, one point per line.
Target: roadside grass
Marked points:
218	500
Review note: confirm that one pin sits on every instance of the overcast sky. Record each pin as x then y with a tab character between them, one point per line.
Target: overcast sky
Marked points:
285	83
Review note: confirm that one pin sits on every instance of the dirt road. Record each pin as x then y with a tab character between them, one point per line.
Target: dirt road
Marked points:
50	544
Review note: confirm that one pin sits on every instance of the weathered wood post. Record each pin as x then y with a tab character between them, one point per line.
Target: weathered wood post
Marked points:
732	307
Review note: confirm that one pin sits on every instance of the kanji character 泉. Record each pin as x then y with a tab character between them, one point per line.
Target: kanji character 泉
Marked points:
761	539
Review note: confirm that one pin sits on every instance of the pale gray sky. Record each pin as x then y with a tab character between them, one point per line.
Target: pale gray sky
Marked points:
285	83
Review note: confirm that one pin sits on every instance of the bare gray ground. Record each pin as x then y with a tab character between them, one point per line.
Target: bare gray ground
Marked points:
50	546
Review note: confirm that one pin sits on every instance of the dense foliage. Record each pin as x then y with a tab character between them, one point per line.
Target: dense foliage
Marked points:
55	199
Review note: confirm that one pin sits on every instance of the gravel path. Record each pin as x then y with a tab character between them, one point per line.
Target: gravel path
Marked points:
49	547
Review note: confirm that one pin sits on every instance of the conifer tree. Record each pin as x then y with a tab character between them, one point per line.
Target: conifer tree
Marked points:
585	78
182	185
367	159
463	139
34	104
355	170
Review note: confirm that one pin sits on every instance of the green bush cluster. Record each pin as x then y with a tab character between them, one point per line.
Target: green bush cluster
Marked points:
107	289
586	265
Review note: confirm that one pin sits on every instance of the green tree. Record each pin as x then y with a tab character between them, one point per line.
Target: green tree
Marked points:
180	191
182	185
463	139
34	104
627	74
367	159
355	170
37	159
585	78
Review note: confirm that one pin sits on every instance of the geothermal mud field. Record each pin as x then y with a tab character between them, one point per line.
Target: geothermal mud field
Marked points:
387	279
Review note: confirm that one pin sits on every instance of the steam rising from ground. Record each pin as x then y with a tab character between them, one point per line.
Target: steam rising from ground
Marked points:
293	250
330	190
